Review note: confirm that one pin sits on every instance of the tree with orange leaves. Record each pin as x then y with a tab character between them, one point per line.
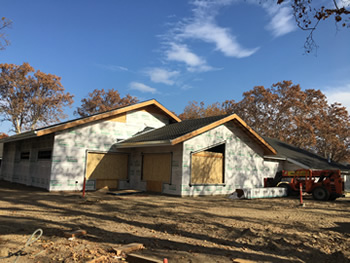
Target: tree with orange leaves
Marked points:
195	111
100	101
29	98
3	135
301	118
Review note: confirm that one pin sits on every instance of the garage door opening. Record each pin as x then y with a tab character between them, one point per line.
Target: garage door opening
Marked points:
156	170
106	169
207	167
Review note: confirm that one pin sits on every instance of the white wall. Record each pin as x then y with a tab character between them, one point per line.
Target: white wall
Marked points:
244	163
135	182
71	146
32	171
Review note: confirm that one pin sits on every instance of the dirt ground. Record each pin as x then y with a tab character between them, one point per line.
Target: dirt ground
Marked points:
188	229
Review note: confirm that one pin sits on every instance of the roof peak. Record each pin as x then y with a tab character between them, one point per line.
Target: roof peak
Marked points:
92	118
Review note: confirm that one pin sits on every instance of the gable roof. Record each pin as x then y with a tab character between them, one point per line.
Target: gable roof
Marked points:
175	133
92	118
301	157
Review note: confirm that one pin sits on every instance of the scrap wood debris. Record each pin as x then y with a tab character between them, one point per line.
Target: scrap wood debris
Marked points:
75	233
82	251
133	258
58	249
128	248
72	250
78	250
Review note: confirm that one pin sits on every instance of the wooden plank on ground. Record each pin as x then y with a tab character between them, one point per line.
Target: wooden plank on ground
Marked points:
76	233
133	258
128	248
241	260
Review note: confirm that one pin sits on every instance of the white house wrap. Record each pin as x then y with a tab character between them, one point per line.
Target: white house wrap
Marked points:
146	147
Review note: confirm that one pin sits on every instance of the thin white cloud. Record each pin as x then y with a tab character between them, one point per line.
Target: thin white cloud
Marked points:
159	75
204	27
142	87
343	3
221	37
112	67
186	87
339	94
181	53
123	68
282	20
209	8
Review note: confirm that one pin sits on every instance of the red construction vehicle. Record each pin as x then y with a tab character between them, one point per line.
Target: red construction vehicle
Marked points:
322	184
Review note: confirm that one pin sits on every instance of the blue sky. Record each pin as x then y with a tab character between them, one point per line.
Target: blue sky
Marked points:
174	51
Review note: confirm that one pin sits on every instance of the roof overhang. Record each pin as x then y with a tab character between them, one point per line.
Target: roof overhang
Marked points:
240	123
20	136
274	158
89	119
108	114
143	144
298	163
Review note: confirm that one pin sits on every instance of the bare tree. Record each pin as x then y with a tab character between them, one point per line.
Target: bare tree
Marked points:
4	23
308	14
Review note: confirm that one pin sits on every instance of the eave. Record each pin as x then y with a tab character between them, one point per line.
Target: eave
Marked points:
20	136
105	115
144	144
238	121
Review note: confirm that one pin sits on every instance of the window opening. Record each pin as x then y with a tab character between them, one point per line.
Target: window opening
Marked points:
44	155
25	155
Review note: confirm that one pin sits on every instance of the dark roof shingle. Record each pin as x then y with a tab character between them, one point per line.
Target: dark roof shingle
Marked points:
311	160
175	130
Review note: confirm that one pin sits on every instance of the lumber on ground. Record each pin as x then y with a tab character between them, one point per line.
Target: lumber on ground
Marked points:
133	258
128	248
75	233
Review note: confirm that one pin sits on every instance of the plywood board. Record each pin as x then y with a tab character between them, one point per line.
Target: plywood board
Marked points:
154	186
154	110
106	168
157	167
118	118
207	168
209	154
156	170
107	183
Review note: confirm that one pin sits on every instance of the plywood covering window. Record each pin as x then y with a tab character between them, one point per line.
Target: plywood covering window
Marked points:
207	167
106	168
156	170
